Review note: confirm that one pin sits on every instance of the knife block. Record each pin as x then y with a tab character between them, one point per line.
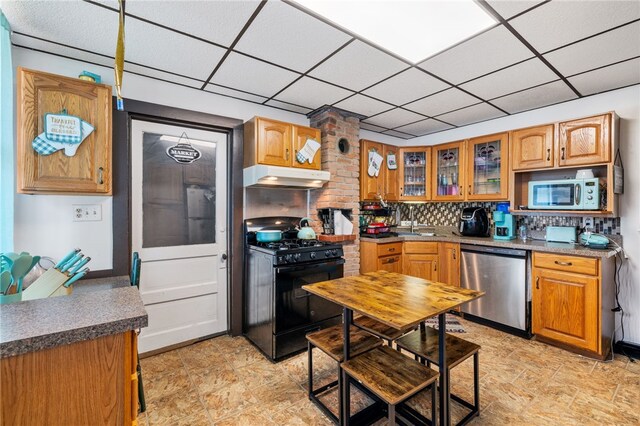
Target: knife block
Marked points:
50	284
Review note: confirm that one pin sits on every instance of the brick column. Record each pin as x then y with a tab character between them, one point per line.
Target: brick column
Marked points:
343	190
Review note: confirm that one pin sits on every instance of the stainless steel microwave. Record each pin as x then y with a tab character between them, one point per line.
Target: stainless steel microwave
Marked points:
565	194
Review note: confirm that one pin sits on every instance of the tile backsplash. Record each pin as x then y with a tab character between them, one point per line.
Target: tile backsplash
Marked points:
447	214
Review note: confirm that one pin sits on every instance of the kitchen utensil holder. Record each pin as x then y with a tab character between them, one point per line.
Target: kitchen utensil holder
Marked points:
326	215
50	284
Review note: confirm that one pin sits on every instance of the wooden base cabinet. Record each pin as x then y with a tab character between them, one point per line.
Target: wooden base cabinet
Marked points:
449	255
385	256
572	299
89	382
420	260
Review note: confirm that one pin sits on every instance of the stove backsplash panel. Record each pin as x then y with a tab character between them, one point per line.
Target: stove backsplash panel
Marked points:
447	214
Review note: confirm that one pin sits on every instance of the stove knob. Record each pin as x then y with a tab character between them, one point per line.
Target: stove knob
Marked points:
288	258
312	255
296	257
334	252
327	253
280	259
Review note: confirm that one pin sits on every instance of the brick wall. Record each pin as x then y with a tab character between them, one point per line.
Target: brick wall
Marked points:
343	190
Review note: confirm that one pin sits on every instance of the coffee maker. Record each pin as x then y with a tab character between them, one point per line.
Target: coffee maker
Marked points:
504	223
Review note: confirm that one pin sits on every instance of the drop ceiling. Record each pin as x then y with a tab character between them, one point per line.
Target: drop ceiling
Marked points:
277	54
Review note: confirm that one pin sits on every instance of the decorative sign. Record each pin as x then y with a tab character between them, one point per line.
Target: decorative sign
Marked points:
308	151
618	175
184	152
391	161
63	128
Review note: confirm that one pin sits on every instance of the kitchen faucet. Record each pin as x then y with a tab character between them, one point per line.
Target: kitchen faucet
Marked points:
411	217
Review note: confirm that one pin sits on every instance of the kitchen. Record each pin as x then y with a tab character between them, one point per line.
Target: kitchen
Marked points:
38	44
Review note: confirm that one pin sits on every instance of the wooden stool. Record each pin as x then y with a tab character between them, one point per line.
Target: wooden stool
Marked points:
394	379
330	341
379	329
423	344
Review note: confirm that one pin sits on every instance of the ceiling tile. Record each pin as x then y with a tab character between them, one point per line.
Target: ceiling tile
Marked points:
394	118
398	134
57	49
170	78
312	93
472	114
358	66
595	52
234	93
424	127
608	78
489	51
371	127
288	107
363	105
289	37
537	97
442	102
180	54
510	8
216	21
406	87
557	23
526	74
250	75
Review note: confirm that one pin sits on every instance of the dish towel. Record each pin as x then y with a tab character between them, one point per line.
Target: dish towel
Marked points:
452	324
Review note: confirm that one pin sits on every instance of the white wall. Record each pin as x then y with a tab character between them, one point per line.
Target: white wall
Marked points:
626	103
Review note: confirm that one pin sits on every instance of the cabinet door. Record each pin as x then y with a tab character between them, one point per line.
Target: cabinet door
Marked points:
532	148
415	172
274	142
448	171
488	166
390	263
300	136
565	308
371	187
423	266
449	254
585	141
391	187
89	169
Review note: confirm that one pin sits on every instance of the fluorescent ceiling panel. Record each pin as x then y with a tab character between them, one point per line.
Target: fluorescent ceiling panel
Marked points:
413	30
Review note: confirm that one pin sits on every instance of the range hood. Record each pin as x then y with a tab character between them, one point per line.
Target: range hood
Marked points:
263	175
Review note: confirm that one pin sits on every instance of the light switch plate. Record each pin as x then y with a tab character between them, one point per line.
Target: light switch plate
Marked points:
87	212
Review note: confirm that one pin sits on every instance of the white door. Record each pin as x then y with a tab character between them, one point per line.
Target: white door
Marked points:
179	213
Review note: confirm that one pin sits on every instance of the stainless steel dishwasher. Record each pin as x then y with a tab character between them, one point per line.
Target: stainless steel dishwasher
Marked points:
502	274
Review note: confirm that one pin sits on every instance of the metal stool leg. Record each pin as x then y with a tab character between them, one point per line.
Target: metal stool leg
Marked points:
392	415
434	404
310	368
346	413
476	383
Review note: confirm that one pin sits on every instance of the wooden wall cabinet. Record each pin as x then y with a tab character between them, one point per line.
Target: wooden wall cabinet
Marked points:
276	143
385	256
391	188
89	382
86	172
420	259
585	141
572	300
487	162
414	174
448	172
449	256
371	187
532	148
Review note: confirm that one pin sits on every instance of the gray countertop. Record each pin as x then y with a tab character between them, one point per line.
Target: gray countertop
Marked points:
96	308
534	245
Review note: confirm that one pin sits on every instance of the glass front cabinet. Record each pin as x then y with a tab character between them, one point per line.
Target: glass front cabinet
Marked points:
414	166
447	175
487	167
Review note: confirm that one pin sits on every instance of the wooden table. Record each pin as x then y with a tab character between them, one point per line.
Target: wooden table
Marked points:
399	301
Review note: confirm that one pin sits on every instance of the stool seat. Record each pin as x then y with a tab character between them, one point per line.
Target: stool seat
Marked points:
376	327
390	375
329	341
425	344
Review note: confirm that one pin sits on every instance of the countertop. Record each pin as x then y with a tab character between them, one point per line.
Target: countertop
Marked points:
96	308
535	245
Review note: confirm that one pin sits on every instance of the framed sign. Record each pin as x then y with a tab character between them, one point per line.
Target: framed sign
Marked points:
183	152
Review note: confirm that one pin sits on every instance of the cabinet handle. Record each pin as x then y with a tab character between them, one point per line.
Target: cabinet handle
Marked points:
454	254
537	283
557	262
460	191
548	154
435	266
100	178
392	260
286	154
392	249
469	189
562	157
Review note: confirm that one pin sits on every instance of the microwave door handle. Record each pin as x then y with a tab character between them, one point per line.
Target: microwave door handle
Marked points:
578	195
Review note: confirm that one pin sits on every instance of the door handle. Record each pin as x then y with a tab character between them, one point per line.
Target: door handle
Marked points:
548	154
557	262
224	256
537	283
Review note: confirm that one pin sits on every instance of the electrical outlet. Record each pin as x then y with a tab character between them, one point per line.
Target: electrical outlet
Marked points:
587	222
87	212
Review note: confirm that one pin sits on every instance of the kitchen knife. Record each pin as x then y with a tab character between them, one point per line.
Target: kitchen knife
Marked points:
66	258
79	265
76	277
71	262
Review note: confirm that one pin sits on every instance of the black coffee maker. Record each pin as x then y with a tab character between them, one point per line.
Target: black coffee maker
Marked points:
474	222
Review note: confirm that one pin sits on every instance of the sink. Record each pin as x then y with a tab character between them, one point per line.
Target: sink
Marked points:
407	233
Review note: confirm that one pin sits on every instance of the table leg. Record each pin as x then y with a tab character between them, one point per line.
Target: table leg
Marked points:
444	371
347	319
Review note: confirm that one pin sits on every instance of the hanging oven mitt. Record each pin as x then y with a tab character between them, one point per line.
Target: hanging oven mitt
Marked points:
45	146
42	146
308	151
375	161
71	148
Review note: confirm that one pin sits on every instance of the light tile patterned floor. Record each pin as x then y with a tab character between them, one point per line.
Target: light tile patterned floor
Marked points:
226	381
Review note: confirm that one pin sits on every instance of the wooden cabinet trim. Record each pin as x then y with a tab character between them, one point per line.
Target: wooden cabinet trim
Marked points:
571	264
420	247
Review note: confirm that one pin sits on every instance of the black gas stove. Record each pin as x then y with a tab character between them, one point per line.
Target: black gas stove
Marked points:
298	251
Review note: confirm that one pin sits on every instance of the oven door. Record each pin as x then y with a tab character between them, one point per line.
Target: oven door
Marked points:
296	307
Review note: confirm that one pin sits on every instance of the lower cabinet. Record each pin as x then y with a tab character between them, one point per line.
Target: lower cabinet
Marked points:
384	256
572	300
88	382
421	260
449	256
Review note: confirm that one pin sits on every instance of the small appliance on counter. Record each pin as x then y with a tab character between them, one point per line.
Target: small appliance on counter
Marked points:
474	222
561	234
504	223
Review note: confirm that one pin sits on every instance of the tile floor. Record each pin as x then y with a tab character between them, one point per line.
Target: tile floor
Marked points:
226	381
